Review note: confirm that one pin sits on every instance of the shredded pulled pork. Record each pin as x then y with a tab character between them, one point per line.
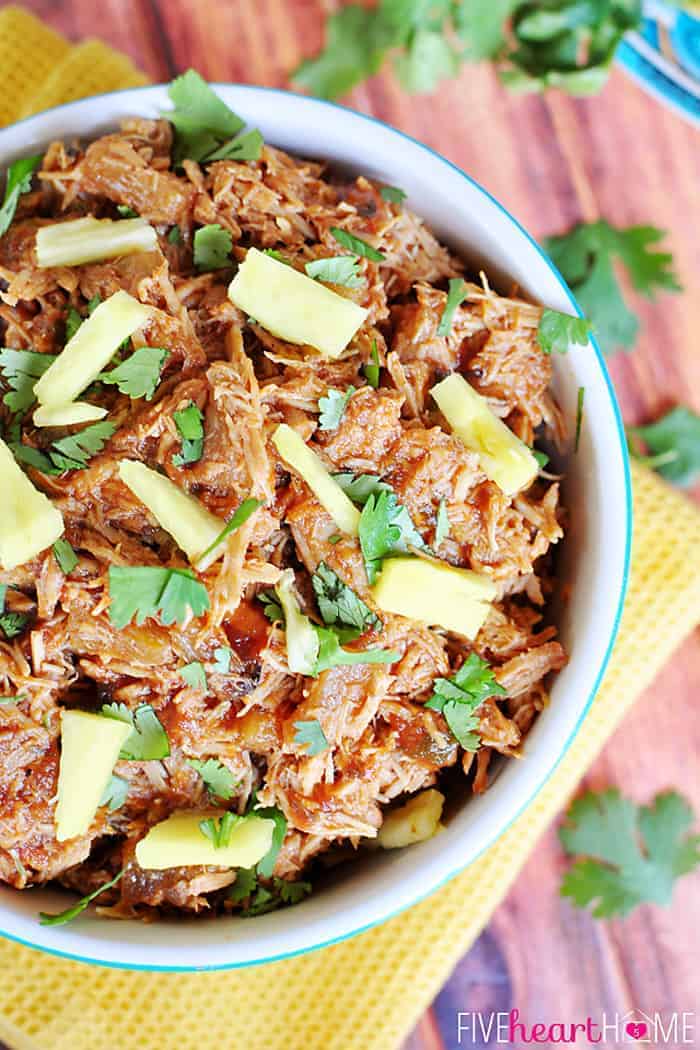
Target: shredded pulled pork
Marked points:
383	742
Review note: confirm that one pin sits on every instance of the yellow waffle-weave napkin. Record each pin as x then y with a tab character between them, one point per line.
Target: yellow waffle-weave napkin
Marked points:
367	993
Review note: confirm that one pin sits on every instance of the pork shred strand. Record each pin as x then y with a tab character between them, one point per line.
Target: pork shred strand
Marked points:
383	741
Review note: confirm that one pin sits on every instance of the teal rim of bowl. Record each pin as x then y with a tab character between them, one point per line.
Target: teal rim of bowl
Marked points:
146	967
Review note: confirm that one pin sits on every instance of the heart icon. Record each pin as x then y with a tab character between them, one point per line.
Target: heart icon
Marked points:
637	1029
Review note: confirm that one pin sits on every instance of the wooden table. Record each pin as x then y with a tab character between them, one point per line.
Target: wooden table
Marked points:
553	162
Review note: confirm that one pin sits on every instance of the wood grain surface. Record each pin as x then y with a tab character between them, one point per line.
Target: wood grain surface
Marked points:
553	162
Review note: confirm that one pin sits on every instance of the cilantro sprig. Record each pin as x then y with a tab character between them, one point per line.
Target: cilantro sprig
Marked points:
77	909
338	603
385	528
673	444
218	779
557	331
21	369
263	899
18	182
459	698
628	854
338	269
585	258
11	623
218	829
212	247
206	128
142	591
148	739
139	375
310	736
74	452
332	407
190	425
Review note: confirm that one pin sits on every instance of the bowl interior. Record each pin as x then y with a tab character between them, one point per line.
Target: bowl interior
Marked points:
594	562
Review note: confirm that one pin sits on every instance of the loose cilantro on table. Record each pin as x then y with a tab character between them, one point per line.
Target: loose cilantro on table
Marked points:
310	736
385	528
140	591
442	523
204	124
195	675
65	556
372	369
239	517
557	331
674	444
585	258
332	406
77	909
338	603
356	245
139	375
18	182
218	829
21	369
74	452
218	780
148	739
114	795
190	424
629	854
212	247
459	697
392	194
338	269
222	660
455	297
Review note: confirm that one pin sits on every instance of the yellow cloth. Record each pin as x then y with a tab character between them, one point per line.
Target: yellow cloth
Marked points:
366	993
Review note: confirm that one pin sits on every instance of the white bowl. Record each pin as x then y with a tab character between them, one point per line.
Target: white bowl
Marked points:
596	558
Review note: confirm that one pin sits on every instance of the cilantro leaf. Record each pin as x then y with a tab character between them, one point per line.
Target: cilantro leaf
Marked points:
190	424
310	735
264	899
74	452
271	606
18	181
239	517
359	487
392	194
222	660
217	778
212	247
459	697
139	375
21	369
201	119
114	795
143	590
354	50
266	865
629	854
79	908
242	147
674	441
372	369
65	556
338	603
337	269
174	235
12	624
73	323
558	331
244	886
585	259
356	245
541	457
442	523
126	212
148	739
195	675
455	297
332	407
480	25
33	457
331	654
385	528
218	830
428	59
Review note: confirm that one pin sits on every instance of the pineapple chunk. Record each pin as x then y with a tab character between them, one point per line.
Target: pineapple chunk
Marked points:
90	745
189	523
179	841
415	822
435	593
29	522
302	640
504	458
88	240
297	455
67	415
293	306
91	348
